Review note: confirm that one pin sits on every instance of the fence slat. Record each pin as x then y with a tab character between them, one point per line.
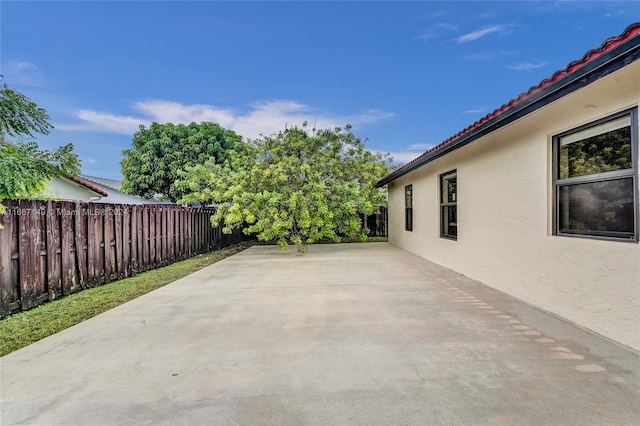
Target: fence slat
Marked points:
139	239
101	246
68	264
118	241
109	243
29	254
93	245
171	241
81	242
158	214
165	235
181	234
190	227
54	266
146	241
126	240
152	236
6	236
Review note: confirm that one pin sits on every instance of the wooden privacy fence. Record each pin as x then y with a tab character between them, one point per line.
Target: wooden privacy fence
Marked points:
49	249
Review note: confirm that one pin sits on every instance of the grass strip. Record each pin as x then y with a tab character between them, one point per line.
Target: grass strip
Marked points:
369	240
24	328
342	241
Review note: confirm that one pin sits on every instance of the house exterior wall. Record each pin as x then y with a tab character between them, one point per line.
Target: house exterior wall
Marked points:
505	224
65	189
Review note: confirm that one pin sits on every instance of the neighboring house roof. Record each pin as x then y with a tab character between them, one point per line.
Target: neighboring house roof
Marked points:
71	188
79	181
109	183
87	185
113	193
614	53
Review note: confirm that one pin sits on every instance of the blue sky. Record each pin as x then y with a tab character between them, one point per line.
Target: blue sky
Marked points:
407	75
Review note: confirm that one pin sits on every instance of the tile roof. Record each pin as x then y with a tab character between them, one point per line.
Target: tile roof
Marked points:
109	183
607	46
114	195
86	185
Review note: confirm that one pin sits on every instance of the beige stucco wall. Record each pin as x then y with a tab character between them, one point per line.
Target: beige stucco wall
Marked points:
505	218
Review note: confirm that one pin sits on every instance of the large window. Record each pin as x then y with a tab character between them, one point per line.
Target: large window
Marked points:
595	179
449	205
408	207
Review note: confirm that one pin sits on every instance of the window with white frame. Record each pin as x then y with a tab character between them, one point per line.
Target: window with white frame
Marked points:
408	207
596	179
449	205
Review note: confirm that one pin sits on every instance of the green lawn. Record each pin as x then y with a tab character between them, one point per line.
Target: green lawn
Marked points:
24	328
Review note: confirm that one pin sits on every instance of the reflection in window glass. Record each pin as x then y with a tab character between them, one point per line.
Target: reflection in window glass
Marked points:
596	179
595	207
408	207
448	205
450	221
598	154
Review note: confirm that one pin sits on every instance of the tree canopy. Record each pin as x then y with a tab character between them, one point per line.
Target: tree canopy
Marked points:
296	187
19	116
24	168
161	150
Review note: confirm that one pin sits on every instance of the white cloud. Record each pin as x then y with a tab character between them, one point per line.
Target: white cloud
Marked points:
527	66
435	30
261	118
25	67
94	120
615	14
475	35
423	146
403	157
175	112
412	152
475	111
24	72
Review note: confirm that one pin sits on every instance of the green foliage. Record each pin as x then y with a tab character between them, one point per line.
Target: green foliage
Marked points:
599	205
160	151
24	169
293	188
598	154
20	116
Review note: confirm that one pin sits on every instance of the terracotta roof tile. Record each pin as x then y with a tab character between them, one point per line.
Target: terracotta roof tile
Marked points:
87	185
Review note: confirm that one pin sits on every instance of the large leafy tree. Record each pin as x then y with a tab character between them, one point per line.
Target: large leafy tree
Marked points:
24	168
296	187
20	116
161	150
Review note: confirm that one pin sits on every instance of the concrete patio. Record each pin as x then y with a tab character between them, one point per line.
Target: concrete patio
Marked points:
345	334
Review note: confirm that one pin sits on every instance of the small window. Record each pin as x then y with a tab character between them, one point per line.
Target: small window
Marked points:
449	205
595	178
408	207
